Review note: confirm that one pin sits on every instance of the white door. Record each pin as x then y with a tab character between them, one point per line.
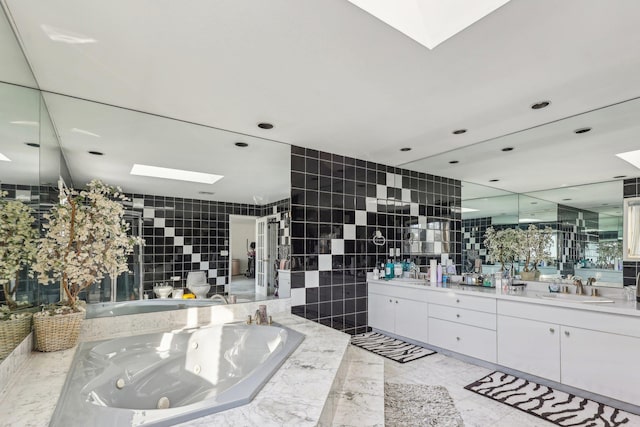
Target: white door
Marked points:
411	319
381	313
262	260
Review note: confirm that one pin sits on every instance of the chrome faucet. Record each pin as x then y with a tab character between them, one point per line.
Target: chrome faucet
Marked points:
579	287
414	271
219	297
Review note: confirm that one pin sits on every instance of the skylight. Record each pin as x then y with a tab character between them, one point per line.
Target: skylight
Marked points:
632	157
429	22
4	158
177	174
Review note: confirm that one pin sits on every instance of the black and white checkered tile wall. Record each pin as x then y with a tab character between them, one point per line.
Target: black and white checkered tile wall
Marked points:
573	237
473	231
631	269
183	235
337	204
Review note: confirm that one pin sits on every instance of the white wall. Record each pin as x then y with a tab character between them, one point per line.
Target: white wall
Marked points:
243	232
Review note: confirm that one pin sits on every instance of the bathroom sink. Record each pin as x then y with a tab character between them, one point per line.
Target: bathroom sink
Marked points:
409	280
576	298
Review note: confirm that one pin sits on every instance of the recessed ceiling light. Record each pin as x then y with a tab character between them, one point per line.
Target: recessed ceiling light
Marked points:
4	158
453	162
505	149
494	180
96	153
405	149
582	130
459	131
265	125
619	176
32	144
540	105
177	174
241	144
566	200
206	193
529	220
605	204
534	203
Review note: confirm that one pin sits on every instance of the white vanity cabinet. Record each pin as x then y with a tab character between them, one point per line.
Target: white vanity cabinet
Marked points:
529	346
463	323
601	362
406	317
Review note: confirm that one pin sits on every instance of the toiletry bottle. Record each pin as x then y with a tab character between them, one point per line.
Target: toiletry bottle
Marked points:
397	269
376	273
388	270
439	273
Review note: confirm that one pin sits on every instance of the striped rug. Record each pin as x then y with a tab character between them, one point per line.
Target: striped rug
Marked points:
390	348
554	406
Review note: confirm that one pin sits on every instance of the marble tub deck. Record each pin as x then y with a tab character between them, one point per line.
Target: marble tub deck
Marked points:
301	393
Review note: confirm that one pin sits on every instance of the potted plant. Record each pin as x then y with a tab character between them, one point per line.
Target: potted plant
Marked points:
17	251
86	237
534	248
502	245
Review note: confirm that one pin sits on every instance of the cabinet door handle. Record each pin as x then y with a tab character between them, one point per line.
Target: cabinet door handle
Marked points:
457	338
567	333
552	330
396	301
390	301
458	316
457	300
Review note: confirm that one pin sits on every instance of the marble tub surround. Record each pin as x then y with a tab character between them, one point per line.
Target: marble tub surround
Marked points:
13	362
295	395
136	324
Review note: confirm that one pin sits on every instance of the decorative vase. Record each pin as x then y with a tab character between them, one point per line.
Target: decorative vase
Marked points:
12	332
530	275
58	332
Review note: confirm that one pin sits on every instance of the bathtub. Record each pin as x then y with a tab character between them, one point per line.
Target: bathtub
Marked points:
108	309
166	378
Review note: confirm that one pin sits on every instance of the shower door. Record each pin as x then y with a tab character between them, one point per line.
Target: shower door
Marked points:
261	258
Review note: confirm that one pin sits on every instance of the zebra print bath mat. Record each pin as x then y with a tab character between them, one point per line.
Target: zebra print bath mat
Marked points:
555	406
390	348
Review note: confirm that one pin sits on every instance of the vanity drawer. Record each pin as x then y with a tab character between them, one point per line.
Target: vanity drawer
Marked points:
464	339
460	315
488	305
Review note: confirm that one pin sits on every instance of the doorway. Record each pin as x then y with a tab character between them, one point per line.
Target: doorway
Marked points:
242	233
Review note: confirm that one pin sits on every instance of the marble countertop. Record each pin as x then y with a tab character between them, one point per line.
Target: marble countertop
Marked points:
529	294
293	396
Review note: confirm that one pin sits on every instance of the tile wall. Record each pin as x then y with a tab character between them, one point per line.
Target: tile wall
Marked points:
337	204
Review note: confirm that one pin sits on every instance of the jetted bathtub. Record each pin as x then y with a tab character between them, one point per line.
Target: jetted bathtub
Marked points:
165	378
109	309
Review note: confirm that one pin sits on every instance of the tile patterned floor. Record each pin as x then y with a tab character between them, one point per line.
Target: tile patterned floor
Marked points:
477	411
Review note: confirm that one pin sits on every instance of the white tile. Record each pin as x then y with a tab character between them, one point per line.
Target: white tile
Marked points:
372	204
158	222
350	230
337	246
169	232
178	241
138	203
298	296
324	262
148	213
187	249
422	221
413	209
381	191
213	272
221	281
391	178
406	195
397	180
204	265
311	279
361	218
196	258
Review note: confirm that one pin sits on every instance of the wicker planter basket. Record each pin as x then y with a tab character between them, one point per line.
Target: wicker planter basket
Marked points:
12	332
58	332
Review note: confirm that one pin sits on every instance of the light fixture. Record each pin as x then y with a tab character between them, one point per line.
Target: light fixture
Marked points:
96	153
25	123
505	149
4	158
206	193
32	144
265	125
464	210
429	22
619	176
494	180
453	162
241	144
566	200
534	203
177	174
540	105
66	36
459	131
405	149
581	130
632	157
529	220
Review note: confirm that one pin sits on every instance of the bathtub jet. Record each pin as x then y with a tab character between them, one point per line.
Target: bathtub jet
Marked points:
166	378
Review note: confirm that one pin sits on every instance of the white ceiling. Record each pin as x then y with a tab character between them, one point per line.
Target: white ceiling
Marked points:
332	77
